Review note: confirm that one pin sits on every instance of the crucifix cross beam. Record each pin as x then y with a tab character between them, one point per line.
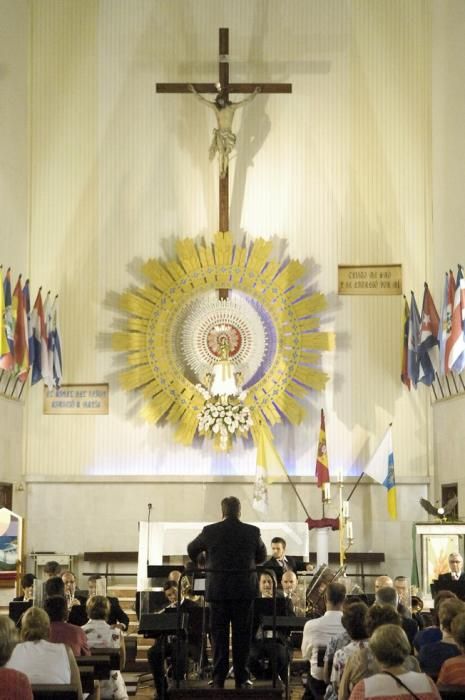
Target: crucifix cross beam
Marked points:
224	139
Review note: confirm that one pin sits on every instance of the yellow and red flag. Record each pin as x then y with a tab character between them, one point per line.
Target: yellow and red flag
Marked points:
322	469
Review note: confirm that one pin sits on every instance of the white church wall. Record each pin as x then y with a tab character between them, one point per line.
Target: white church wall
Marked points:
448	214
340	170
14	200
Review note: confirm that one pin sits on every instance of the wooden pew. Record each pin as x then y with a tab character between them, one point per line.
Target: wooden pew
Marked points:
113	654
100	663
87	674
46	691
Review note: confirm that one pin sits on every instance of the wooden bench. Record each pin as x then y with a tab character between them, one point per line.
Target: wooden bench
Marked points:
101	665
87	674
46	691
113	654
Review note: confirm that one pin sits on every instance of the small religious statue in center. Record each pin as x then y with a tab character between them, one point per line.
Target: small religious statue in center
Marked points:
223	380
224	139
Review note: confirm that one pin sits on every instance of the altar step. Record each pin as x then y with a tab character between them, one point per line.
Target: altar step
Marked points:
202	691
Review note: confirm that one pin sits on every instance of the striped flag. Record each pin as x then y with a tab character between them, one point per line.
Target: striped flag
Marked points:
381	469
456	359
321	468
21	353
40	369
446	323
7	360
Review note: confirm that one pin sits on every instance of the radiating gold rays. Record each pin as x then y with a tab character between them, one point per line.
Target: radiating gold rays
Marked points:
153	367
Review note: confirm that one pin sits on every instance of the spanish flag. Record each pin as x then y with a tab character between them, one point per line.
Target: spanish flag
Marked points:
321	469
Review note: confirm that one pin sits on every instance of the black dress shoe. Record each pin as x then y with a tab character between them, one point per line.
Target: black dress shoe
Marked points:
246	685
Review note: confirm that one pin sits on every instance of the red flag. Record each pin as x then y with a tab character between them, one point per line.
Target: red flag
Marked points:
449	310
429	321
321	469
21	339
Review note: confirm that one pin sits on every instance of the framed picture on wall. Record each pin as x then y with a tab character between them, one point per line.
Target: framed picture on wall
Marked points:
11	545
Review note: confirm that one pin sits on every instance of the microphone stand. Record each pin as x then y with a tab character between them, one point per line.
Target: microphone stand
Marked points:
149	506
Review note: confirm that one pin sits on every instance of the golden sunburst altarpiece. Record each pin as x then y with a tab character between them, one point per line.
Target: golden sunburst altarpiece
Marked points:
151	339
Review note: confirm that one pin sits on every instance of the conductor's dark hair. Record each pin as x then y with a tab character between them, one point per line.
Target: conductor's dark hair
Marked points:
231	507
54	586
279	540
336	593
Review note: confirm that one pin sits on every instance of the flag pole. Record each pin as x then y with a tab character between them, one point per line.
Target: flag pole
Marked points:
297	494
355	486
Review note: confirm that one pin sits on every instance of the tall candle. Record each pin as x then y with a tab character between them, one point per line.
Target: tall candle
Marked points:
326	491
345	509
349	530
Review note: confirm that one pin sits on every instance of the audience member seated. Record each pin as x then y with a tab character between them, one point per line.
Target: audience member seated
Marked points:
391	648
261	648
453	670
354	622
363	663
100	634
165	648
62	631
432	656
41	660
14	685
317	633
433	633
117	615
27	586
52	569
77	614
279	561
388	596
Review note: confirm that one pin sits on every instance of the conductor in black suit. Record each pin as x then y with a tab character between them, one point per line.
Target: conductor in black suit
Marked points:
233	550
455	566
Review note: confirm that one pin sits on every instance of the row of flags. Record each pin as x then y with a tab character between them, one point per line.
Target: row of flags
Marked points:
270	466
434	343
29	335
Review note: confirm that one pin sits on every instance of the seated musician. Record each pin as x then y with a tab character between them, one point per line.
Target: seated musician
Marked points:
100	634
279	561
261	649
164	648
27	585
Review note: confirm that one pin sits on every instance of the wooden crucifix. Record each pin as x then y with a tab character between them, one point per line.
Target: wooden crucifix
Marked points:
223	138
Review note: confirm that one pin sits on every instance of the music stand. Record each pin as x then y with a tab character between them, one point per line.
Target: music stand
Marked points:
162	571
153	625
457	587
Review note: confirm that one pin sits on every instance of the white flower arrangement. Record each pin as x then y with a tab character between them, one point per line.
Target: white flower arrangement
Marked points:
223	417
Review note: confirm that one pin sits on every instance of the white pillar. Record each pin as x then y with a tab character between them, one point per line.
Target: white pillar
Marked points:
322	544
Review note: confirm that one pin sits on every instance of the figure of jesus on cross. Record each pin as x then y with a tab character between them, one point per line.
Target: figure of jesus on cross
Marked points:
224	139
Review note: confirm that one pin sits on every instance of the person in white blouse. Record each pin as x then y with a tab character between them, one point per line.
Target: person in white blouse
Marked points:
100	634
40	660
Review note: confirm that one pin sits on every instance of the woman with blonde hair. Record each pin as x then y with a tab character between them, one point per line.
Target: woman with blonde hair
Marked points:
100	634
14	685
391	648
40	660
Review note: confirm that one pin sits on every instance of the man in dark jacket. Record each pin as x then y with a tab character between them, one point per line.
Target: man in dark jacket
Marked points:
233	551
